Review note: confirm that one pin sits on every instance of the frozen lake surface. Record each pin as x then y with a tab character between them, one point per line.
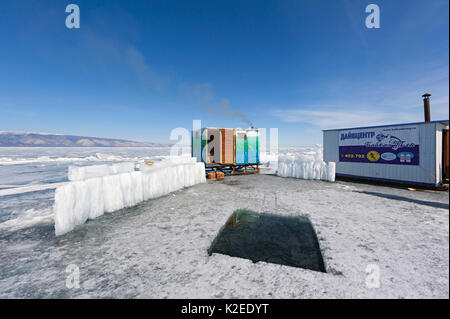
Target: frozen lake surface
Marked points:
158	249
39	169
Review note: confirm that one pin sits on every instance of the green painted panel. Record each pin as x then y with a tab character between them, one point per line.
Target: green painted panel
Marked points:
241	148
253	147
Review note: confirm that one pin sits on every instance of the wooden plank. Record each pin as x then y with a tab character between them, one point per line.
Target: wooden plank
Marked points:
240	169
227	138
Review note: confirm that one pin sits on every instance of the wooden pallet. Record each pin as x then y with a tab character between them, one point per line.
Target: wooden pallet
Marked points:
234	169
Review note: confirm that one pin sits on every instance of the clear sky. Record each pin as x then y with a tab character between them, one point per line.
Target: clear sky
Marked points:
138	69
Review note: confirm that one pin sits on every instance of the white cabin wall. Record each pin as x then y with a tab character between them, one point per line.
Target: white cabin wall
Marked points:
439	150
426	172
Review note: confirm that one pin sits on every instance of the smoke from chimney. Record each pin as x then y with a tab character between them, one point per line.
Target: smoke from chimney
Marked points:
225	109
202	95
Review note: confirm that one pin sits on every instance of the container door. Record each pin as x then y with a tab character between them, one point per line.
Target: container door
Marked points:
241	147
227	146
204	145
197	145
445	156
253	147
213	146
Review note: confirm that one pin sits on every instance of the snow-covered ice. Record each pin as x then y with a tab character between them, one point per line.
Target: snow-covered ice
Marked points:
29	176
158	248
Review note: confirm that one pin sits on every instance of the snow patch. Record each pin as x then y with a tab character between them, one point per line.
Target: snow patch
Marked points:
31	217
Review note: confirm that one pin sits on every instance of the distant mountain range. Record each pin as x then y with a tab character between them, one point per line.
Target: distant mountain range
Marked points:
56	140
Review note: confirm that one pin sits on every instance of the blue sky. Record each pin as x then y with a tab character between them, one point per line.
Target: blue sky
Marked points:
138	69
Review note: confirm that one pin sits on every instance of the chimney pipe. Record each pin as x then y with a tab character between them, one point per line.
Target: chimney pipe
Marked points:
426	106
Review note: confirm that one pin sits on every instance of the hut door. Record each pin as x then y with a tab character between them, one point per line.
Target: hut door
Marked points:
227	146
213	140
241	148
445	156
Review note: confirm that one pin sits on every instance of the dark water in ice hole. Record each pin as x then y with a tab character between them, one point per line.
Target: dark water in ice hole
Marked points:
289	241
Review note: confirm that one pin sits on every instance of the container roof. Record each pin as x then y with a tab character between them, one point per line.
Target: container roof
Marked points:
445	122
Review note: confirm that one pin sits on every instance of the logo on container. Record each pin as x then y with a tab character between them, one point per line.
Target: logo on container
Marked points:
373	156
405	157
388	156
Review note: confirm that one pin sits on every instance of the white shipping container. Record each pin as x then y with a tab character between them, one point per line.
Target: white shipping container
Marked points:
428	172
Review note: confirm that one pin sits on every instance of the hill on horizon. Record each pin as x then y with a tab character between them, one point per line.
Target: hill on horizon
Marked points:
58	140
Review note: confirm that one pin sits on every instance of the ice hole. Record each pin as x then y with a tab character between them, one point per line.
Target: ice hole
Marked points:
289	241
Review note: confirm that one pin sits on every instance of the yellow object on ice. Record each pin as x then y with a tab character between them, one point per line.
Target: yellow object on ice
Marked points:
149	163
415	189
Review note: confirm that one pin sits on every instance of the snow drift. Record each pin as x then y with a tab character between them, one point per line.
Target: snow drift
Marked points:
94	190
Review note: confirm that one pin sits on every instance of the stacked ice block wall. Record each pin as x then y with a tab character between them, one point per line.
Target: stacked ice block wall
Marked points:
307	165
94	190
